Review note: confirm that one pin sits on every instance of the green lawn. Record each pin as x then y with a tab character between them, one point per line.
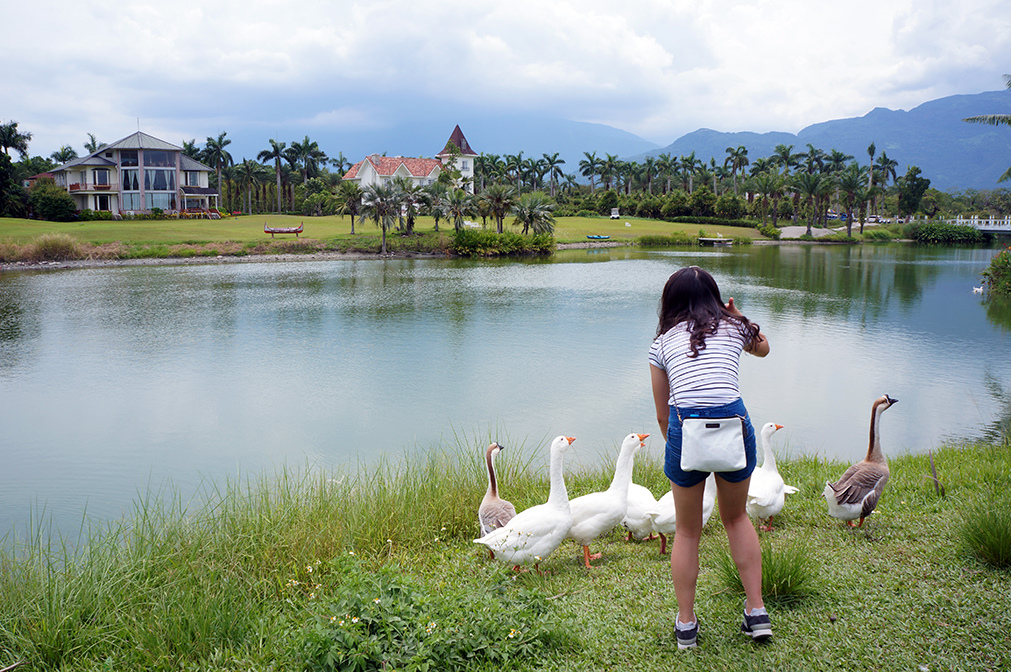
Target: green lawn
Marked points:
249	229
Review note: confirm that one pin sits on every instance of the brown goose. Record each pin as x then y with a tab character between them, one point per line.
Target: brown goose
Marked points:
494	511
856	494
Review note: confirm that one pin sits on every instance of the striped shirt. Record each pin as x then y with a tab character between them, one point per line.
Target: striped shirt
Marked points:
710	379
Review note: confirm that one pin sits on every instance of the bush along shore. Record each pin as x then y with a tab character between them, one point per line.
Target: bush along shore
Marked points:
375	569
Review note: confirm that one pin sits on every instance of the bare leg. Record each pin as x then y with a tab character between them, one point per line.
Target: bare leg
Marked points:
744	546
684	554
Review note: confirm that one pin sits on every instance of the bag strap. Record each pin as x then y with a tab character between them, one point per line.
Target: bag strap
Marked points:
663	358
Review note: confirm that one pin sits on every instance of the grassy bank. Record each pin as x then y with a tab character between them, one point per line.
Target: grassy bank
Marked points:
304	569
21	239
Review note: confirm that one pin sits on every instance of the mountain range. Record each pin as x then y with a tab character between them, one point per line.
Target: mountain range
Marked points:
951	153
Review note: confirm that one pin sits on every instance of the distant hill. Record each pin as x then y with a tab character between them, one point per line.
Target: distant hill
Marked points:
951	153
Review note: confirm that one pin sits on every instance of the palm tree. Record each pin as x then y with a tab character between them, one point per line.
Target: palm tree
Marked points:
785	158
64	154
589	167
381	204
93	145
12	138
553	165
609	168
500	199
435	201
459	204
689	166
250	175
814	159
995	120
190	148
850	182
809	187
737	159
514	166
216	155
533	211
836	161
275	154
649	171
341	163
349	195
769	186
665	164
309	155
885	169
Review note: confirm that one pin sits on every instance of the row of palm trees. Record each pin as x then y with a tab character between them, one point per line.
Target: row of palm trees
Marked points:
400	201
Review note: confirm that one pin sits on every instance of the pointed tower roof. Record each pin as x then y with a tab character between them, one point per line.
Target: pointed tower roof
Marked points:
461	143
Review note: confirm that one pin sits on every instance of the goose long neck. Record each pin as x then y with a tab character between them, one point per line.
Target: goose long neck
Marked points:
492	482
558	495
770	457
874	453
623	471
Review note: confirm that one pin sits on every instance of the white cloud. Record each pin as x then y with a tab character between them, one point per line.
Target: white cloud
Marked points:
659	68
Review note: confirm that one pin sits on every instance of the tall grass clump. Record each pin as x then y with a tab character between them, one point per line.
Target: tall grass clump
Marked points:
54	247
788	573
986	532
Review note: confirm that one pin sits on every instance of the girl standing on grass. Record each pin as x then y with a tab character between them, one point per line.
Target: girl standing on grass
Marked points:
694	360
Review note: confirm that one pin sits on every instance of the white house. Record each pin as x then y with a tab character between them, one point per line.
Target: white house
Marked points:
376	169
137	174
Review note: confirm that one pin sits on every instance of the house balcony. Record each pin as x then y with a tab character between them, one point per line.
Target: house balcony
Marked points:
84	186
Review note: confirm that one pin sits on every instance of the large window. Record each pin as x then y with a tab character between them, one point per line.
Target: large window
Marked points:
128	157
130	180
101	176
130	202
160	200
102	202
159	180
154	158
192	178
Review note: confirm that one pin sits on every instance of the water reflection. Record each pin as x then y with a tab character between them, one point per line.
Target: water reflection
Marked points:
111	379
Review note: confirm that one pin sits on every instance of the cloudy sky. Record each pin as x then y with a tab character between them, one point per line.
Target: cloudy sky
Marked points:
658	68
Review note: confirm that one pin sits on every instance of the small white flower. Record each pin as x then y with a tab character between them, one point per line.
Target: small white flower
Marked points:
308	568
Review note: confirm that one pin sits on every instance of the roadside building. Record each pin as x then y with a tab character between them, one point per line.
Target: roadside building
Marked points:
377	169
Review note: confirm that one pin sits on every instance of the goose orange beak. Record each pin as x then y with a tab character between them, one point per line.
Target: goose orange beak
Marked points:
779	427
570	439
642	437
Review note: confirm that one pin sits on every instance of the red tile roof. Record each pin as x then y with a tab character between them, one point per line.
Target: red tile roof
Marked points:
386	166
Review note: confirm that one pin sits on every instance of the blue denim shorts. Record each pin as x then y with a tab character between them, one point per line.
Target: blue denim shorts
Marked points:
672	458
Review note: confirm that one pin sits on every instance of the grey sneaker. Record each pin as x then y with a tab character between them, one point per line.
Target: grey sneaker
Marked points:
757	625
687	634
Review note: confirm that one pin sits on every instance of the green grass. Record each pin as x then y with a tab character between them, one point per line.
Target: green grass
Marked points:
252	579
140	238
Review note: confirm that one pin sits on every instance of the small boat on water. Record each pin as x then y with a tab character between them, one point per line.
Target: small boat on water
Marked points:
599	237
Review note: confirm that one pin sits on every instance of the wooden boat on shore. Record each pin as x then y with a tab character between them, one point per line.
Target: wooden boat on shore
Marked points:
716	242
282	229
599	237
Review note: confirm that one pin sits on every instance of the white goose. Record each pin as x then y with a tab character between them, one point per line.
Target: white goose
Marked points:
599	512
534	534
767	492
664	515
857	493
637	521
977	290
494	511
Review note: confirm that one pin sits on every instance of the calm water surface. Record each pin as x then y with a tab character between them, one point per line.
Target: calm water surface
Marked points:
119	381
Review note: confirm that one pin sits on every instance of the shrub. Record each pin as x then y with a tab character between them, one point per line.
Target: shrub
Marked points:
469	243
729	206
675	205
986	532
385	620
585	213
878	234
770	231
997	275
942	233
50	202
94	215
676	239
702	202
54	247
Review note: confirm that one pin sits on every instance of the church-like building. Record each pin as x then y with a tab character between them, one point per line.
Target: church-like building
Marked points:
376	169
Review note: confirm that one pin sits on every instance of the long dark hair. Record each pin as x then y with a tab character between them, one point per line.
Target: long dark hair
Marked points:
691	295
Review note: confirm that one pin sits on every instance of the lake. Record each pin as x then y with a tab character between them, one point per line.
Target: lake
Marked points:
119	381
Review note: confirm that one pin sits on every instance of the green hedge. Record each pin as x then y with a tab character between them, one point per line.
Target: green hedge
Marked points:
716	221
997	276
468	243
942	233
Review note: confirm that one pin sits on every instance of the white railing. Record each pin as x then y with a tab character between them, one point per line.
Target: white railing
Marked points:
991	223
